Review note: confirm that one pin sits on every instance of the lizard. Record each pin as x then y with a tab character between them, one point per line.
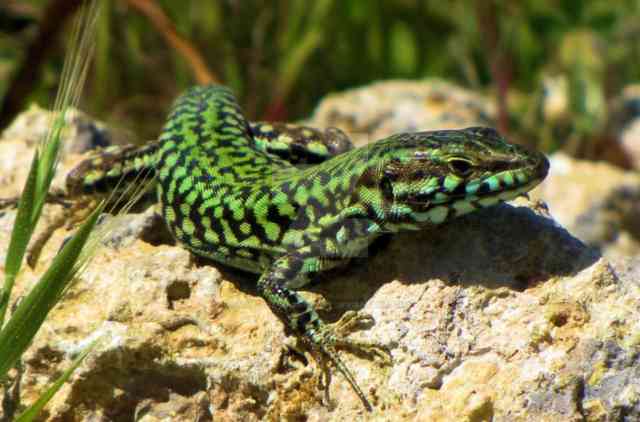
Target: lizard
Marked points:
287	201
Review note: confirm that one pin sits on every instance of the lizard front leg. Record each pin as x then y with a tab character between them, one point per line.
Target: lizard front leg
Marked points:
301	317
299	144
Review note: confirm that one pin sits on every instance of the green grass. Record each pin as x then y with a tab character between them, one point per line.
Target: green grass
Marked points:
282	56
33	410
18	332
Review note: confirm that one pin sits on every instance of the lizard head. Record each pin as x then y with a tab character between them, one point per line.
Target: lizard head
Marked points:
430	177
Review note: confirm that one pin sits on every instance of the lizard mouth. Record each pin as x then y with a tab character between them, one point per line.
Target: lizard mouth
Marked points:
484	192
516	180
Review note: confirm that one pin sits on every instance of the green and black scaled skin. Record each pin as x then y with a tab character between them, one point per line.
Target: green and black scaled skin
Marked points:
287	201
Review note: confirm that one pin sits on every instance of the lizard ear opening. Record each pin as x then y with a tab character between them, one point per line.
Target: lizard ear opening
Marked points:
386	187
385	184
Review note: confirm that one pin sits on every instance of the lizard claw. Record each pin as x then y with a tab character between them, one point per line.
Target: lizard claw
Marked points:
353	321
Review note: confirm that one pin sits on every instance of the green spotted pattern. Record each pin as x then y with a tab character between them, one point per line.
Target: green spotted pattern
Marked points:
287	201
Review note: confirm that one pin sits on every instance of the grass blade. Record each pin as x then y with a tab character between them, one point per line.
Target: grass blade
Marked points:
34	308
22	230
33	410
47	154
30	314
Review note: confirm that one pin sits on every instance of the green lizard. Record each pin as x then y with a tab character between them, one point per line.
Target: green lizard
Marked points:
287	202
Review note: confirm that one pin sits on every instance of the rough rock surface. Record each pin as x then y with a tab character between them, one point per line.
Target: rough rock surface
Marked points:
630	142
85	132
597	202
384	108
500	316
17	142
625	124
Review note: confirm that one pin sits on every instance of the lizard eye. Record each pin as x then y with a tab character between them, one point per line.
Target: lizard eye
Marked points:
460	167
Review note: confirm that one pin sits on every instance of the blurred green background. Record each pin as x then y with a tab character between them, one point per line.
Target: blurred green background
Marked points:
282	56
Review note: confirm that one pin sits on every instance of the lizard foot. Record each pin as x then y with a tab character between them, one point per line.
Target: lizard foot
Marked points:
353	321
332	337
9	203
53	197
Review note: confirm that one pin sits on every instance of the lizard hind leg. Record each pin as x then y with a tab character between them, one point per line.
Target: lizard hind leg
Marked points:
69	217
302	318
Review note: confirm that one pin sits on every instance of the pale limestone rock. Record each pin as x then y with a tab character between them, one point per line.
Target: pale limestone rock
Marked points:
383	108
630	142
597	202
81	133
624	125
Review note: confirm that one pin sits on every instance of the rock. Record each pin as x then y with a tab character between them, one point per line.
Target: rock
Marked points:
384	108
597	202
82	133
625	124
630	142
502	315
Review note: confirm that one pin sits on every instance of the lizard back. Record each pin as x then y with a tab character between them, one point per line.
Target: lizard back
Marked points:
214	182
